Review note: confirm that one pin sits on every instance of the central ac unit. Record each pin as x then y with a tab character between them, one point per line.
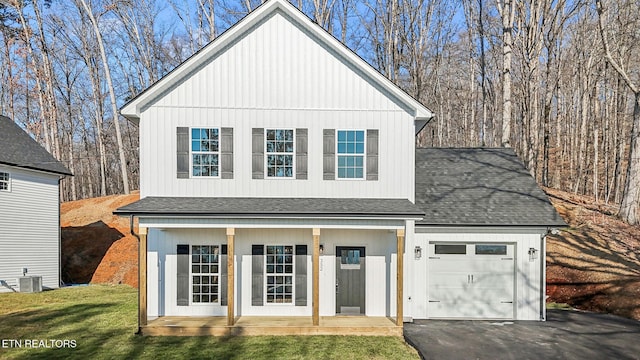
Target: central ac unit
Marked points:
30	284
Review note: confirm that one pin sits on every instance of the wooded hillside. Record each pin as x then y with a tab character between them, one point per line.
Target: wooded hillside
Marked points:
557	80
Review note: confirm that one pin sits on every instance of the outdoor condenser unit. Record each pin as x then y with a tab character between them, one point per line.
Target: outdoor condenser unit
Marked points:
30	284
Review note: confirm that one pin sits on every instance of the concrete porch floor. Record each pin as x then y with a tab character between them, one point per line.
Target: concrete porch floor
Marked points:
271	325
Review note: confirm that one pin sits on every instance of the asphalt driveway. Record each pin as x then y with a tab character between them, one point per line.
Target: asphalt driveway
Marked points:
565	335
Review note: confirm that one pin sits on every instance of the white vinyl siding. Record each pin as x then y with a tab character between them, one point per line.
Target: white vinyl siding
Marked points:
25	243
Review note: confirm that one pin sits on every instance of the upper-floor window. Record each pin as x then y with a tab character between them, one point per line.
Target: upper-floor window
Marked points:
350	153
5	181
205	152
279	153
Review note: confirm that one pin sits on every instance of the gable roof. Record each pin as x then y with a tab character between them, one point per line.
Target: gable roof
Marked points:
479	187
18	149
132	109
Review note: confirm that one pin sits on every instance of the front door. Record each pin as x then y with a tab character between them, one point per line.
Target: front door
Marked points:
350	280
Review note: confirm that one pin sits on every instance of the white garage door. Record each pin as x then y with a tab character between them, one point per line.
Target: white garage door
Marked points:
472	280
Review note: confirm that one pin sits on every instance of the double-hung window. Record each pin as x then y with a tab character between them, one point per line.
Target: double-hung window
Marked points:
279	153
5	181
205	152
205	273
279	273
350	153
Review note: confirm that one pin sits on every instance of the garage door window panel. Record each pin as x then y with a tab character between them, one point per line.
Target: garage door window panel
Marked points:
450	249
491	249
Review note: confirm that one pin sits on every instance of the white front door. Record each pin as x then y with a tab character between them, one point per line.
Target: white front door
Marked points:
471	280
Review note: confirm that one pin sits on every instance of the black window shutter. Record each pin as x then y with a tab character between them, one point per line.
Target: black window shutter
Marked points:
183	275
301	275
223	275
257	275
226	153
329	151
301	154
372	154
257	150
182	153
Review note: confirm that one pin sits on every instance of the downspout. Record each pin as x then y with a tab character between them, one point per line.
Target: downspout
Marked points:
131	220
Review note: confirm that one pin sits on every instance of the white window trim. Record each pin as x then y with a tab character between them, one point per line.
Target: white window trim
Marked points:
364	156
293	277
8	181
191	302
191	152
266	155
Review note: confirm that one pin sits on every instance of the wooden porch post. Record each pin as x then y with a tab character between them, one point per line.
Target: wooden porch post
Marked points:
231	232
400	277
316	276
142	276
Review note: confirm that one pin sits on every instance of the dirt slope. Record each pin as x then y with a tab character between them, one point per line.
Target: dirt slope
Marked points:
97	246
592	265
595	263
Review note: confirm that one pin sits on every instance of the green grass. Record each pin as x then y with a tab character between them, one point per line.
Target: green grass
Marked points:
559	306
102	322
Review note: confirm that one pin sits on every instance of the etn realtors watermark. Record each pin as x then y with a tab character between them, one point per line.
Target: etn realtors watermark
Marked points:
37	343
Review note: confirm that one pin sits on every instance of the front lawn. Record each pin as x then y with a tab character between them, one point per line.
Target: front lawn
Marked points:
99	322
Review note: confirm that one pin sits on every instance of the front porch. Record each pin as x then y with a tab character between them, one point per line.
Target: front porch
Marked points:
271	325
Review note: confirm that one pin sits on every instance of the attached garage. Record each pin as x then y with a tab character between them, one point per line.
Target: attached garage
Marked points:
470	280
479	251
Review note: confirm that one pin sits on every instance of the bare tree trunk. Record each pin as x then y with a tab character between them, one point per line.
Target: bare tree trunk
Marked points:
631	194
507	9
112	96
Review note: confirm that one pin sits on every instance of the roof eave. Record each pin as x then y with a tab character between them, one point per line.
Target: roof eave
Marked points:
33	168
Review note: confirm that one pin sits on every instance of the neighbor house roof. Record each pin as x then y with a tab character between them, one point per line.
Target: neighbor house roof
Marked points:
133	108
234	207
18	149
479	186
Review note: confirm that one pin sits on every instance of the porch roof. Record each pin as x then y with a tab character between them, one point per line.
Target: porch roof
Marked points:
252	207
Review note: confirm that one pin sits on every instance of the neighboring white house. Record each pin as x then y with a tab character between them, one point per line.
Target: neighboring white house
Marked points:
29	197
278	178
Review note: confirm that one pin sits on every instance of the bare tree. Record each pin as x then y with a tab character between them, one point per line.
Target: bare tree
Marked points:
631	193
112	96
507	10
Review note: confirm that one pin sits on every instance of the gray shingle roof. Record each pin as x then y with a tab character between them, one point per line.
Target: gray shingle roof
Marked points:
18	149
272	207
479	186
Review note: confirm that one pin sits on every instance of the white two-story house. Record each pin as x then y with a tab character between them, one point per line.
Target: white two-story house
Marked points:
278	181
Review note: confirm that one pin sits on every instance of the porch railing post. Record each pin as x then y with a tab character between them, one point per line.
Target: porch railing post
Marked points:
142	269
231	232
400	277
316	276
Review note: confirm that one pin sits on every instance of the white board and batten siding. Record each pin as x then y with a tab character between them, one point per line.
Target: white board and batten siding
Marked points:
274	76
380	270
29	227
516	276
